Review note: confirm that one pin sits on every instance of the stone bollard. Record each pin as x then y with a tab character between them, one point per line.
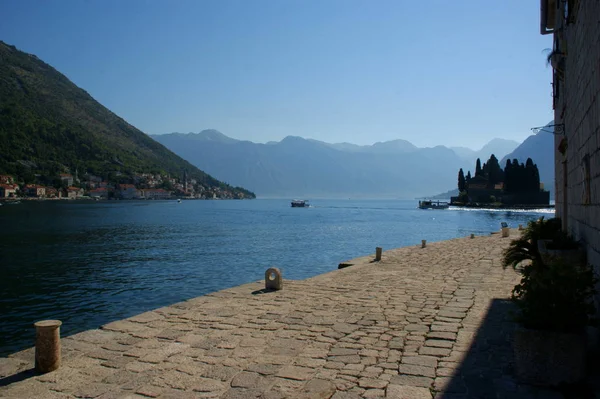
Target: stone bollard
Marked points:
378	251
273	280
472	235
47	345
423	243
505	232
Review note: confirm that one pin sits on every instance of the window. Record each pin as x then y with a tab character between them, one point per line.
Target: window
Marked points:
585	168
571	7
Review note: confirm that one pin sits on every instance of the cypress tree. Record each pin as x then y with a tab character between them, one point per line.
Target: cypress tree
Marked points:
478	167
508	175
461	181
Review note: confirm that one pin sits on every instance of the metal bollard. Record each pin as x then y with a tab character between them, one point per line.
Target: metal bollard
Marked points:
378	251
423	243
47	345
273	280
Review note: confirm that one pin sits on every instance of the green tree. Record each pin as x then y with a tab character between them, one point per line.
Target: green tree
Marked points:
462	184
494	172
478	171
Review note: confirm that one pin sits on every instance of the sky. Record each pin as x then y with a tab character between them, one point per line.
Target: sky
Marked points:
433	72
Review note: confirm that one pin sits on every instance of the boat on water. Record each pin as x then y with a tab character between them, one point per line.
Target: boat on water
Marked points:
178	200
428	204
300	203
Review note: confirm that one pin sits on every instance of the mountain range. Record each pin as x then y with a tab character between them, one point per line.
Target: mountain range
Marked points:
299	167
49	126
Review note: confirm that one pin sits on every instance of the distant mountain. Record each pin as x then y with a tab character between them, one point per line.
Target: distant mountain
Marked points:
298	167
540	148
498	147
49	125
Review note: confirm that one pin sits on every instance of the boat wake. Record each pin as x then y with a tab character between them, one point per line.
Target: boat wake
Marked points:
503	210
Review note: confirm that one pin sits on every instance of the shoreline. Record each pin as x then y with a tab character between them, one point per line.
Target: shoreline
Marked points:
400	327
507	207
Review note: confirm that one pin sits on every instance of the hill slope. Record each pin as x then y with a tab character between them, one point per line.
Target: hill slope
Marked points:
49	125
296	167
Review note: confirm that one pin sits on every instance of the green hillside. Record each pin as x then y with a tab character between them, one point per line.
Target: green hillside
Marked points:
48	126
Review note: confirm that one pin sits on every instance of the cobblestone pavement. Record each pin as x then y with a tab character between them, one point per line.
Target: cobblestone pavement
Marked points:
421	323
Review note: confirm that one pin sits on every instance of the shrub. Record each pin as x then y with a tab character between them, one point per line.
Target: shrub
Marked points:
525	247
557	297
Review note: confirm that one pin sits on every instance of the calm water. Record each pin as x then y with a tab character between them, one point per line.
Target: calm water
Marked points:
90	263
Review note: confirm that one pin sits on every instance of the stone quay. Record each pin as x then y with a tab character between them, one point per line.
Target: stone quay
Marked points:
418	324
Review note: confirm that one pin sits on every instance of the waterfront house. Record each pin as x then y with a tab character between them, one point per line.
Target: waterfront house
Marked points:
154	193
66	179
52	192
100	193
8	190
127	191
74	192
34	190
576	101
6	179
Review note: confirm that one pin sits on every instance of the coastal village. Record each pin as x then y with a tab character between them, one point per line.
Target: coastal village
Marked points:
144	186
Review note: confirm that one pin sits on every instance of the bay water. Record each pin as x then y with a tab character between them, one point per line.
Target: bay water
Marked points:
89	263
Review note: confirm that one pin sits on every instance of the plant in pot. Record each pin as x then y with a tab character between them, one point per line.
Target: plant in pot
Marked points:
525	247
562	247
555	306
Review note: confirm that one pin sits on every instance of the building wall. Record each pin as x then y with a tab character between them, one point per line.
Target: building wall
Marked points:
578	108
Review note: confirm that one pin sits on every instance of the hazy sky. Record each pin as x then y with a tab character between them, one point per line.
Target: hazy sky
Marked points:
428	71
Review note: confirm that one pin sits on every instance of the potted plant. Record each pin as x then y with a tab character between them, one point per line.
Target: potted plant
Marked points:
525	247
555	306
561	247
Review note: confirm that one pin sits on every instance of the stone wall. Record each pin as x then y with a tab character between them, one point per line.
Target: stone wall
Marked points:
577	106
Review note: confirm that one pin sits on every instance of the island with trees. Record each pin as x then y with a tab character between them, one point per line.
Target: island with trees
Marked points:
516	186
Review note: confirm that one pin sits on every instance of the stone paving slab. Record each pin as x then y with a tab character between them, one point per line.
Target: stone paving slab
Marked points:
408	326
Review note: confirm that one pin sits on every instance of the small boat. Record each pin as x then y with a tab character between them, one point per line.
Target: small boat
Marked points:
178	199
428	204
300	204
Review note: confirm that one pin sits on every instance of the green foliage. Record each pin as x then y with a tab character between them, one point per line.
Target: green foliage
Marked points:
521	177
478	171
463	197
557	297
462	183
49	125
525	247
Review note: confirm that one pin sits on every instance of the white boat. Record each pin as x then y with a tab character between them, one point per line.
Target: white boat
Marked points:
300	203
178	199
428	204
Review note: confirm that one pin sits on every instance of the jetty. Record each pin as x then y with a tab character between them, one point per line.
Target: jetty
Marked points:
422	322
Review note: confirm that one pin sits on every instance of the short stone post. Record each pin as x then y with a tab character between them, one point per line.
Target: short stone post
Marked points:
47	345
423	243
472	235
273	280
378	251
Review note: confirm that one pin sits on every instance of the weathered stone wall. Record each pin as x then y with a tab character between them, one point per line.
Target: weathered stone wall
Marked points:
578	108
